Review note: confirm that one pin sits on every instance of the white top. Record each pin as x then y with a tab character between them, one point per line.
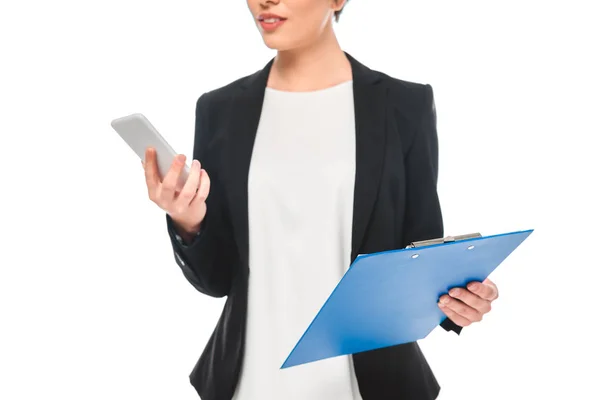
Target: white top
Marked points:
300	203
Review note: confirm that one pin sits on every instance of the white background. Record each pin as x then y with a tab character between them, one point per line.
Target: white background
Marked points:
92	304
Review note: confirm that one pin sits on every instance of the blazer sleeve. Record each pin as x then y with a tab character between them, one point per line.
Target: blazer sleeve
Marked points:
423	214
207	261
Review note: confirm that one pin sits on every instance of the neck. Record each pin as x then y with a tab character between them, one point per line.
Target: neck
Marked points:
320	65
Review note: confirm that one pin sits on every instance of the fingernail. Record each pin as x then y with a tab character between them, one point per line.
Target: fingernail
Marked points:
472	287
444	300
454	292
181	158
196	164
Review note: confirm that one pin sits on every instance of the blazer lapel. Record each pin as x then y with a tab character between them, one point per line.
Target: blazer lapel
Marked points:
245	111
370	113
244	114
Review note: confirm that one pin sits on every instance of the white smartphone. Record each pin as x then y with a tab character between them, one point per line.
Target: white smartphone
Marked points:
139	134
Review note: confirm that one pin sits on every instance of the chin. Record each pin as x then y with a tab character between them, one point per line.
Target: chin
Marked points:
277	43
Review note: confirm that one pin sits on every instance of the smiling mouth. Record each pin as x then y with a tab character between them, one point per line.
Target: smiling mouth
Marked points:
270	22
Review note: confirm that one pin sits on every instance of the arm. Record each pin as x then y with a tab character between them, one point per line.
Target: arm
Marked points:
207	259
423	214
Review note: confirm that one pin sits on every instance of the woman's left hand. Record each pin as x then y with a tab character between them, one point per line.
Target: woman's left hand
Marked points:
463	306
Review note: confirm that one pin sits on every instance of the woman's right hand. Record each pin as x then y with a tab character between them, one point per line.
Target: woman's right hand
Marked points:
186	205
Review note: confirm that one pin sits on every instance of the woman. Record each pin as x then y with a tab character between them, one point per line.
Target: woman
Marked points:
308	162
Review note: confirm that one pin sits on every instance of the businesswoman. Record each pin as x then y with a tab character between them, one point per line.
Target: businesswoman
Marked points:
305	164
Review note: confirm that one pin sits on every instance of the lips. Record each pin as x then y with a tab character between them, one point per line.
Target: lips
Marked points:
270	22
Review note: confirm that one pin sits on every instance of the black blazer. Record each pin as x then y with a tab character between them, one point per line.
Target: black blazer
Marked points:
395	203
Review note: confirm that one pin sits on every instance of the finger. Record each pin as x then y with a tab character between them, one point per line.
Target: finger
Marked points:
461	308
151	171
171	178
485	290
470	299
494	287
204	188
454	317
190	187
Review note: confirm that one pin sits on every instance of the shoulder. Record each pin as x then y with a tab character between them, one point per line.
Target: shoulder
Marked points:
407	97
412	106
216	99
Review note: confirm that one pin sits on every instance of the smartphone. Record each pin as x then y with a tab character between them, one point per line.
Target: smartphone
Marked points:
139	134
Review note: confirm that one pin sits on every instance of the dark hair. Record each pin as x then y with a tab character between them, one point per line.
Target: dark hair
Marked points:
337	13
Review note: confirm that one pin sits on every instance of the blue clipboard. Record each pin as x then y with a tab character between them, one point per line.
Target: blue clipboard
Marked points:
391	297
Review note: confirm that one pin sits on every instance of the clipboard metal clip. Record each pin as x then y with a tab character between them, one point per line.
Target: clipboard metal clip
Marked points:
446	239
